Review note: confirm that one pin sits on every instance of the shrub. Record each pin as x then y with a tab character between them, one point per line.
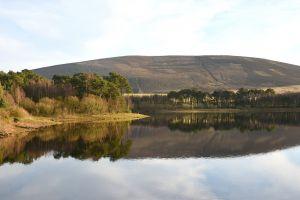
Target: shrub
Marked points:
4	114
29	105
17	112
118	105
8	100
46	107
17	93
93	105
72	104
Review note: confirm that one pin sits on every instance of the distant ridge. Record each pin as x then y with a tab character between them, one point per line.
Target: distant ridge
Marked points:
148	74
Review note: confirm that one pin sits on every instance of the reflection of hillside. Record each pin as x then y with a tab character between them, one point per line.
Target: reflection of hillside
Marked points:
222	121
151	142
81	141
213	135
210	135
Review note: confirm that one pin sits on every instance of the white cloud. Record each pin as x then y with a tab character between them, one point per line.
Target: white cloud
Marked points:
262	176
61	31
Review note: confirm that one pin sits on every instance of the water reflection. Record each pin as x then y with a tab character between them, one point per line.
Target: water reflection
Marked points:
161	136
260	177
80	141
213	135
75	161
222	121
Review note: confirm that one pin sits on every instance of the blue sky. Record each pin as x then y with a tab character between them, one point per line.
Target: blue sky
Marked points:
36	33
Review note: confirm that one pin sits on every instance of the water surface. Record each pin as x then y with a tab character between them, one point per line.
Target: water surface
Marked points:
178	156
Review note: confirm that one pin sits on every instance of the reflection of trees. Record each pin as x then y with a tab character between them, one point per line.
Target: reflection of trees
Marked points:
111	146
80	141
223	121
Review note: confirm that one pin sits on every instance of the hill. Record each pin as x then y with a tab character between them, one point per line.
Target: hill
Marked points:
148	74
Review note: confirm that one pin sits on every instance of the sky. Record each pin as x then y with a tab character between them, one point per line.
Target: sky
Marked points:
36	33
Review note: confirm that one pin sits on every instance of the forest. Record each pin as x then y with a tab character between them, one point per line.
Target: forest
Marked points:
195	99
25	92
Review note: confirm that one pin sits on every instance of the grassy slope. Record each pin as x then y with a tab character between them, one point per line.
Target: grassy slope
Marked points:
148	74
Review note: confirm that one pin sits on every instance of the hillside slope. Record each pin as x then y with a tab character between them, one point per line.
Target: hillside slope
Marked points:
165	73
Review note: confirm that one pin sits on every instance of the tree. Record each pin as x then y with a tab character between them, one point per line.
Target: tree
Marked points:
61	80
270	92
89	84
120	81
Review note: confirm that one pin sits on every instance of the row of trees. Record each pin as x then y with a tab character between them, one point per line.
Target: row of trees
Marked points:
110	86
221	98
189	98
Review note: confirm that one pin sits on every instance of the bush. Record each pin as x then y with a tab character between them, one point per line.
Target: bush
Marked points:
118	105
93	105
4	114
46	107
8	100
17	112
71	104
29	105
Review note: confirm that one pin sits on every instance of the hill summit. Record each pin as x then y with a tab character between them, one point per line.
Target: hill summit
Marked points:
149	74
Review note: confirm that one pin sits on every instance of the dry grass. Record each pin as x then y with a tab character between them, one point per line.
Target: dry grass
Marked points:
27	124
108	117
144	94
287	89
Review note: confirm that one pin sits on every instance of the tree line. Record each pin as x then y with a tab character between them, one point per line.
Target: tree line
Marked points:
242	98
75	93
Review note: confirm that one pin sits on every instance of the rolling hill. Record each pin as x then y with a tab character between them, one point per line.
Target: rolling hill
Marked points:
148	74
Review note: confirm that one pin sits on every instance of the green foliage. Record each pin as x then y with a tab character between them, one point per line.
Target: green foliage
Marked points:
88	84
109	87
120	82
61	80
23	78
1	96
243	98
39	96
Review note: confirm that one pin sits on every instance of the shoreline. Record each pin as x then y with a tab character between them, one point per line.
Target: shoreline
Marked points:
27	125
231	110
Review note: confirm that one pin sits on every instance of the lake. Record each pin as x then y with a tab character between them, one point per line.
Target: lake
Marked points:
167	156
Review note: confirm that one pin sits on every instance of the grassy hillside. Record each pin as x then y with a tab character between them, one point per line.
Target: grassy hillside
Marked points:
165	73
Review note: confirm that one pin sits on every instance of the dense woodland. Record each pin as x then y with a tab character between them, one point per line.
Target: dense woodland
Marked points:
25	91
242	98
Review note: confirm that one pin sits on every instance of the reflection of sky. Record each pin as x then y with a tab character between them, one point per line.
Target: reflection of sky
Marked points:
274	175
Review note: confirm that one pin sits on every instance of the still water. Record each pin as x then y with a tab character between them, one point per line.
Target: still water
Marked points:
178	156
